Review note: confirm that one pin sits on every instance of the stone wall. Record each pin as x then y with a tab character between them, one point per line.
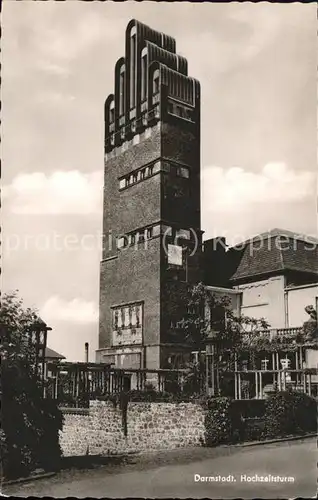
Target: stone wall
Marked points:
150	426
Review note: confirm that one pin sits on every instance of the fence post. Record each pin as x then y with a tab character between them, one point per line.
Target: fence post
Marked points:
309	384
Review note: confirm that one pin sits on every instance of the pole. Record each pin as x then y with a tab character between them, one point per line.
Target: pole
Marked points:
239	387
212	372
86	351
207	357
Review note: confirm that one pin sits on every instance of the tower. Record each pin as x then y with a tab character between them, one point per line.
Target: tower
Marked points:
151	212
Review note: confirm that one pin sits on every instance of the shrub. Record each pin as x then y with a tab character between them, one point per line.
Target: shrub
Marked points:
218	422
288	413
30	424
254	428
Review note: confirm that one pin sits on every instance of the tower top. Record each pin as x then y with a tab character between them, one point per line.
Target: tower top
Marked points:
151	83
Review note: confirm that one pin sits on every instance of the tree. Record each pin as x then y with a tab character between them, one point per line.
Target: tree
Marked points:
201	316
29	424
310	328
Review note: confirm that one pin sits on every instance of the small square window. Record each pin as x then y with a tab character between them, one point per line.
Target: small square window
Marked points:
143	173
121	242
126	181
141	236
122	183
165	166
150	171
156	167
170	107
149	232
179	110
136	139
183	172
188	114
132	239
156	230
135	178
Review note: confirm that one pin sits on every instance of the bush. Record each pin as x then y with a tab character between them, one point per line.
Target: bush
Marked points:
289	413
250	408
30	424
218	422
254	428
152	396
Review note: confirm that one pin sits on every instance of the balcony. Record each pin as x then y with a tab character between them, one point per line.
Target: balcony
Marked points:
287	333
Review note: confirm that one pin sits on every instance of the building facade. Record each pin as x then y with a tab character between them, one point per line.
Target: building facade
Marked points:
151	215
277	273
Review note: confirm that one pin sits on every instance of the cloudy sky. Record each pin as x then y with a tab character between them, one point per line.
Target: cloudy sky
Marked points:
257	67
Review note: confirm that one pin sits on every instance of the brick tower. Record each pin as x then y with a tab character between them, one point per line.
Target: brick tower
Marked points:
151	214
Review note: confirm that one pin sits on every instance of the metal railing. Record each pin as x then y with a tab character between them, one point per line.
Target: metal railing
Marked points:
75	384
301	380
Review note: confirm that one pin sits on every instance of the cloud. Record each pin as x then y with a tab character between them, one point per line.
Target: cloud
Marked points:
74	311
68	192
237	189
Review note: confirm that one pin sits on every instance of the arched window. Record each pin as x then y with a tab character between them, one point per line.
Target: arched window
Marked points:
122	90
133	68
111	113
144	74
155	82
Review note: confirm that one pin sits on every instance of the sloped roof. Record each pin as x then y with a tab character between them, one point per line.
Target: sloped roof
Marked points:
50	353
279	232
274	251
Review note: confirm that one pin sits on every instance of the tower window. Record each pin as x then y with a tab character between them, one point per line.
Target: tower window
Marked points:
179	110
150	171
144	76
183	172
156	167
111	114
122	242
142	173
155	86
122	183
165	166
121	92
188	114
156	230
149	233
141	236
170	107
133	71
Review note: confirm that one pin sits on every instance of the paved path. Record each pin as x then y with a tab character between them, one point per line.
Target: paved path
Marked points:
173	475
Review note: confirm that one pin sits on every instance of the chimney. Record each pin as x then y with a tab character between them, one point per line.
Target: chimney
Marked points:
86	352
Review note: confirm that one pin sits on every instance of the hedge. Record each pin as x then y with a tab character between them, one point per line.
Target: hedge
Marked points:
289	413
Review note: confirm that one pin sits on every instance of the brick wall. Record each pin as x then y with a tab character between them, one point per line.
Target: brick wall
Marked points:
150	426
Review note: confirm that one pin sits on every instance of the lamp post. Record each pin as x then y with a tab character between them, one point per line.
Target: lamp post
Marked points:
210	366
37	340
